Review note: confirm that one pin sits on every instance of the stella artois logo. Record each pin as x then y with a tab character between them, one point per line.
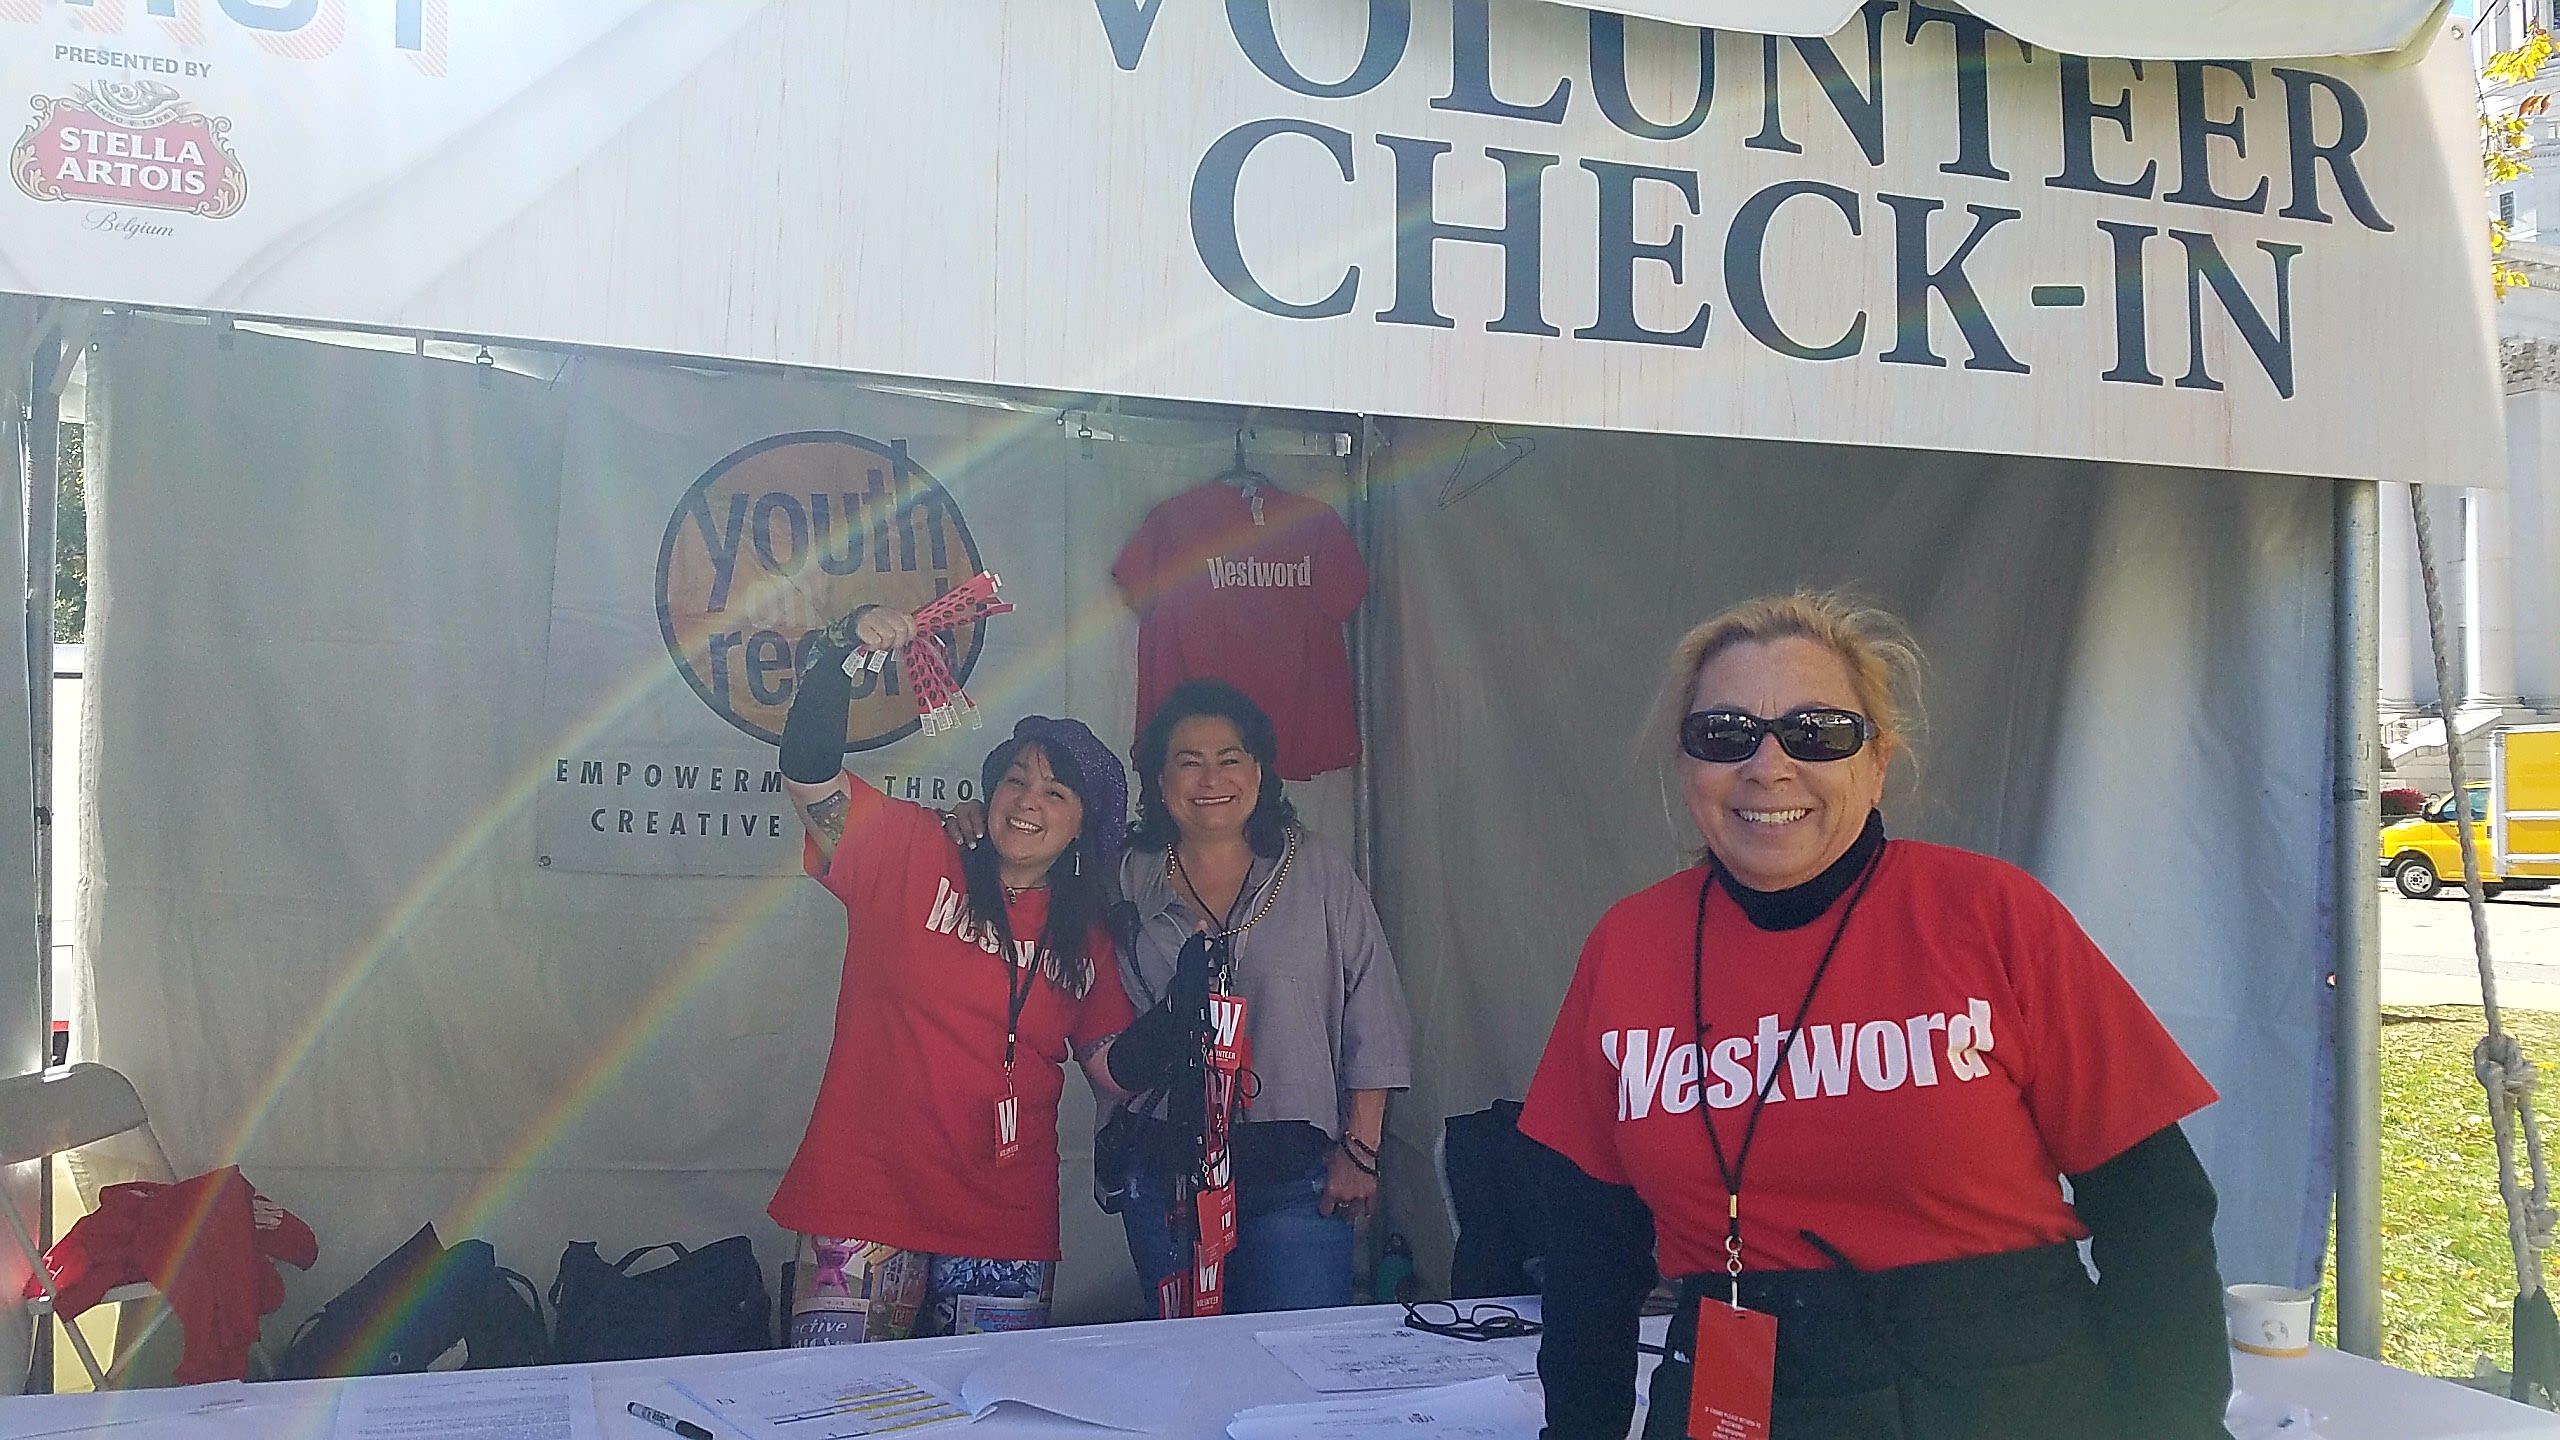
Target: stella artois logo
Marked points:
130	142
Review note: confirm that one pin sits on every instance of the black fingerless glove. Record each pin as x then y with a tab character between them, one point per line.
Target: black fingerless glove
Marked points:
1146	1053
813	730
1142	1059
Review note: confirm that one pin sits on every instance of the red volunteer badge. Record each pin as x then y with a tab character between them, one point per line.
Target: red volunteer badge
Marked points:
1208	1283
1226	1032
1008	1127
1734	1373
1218	1221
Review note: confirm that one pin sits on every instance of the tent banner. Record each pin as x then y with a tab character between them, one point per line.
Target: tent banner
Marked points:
1916	232
710	528
2154	29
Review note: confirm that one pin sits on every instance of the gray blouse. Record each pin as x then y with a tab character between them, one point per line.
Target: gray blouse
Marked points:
1324	1007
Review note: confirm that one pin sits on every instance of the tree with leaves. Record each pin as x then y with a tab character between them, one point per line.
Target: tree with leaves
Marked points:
2506	134
71	540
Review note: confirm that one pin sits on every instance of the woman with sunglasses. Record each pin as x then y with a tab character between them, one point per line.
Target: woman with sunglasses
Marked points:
1838	1080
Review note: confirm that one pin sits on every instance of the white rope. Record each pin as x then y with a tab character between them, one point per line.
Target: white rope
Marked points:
2505	1074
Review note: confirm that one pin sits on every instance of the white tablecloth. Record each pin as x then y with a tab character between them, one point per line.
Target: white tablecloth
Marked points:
2353	1399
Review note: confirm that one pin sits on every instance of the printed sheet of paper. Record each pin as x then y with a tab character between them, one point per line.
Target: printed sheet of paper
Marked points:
819	1396
2248	1417
469	1405
218	1410
1361	1357
1493	1409
1120	1384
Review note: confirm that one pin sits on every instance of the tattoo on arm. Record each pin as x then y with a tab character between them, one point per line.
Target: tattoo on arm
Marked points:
826	816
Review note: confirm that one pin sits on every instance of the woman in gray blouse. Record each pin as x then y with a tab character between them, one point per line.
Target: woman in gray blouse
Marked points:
1217	852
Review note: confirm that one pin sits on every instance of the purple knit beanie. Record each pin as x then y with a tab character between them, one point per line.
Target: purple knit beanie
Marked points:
1105	787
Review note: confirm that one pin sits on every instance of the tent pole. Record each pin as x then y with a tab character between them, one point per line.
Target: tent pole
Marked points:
2355	818
1364	795
44	480
44	497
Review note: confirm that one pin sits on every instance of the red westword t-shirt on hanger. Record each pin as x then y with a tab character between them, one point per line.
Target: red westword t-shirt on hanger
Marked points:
1969	1045
901	1145
1258	606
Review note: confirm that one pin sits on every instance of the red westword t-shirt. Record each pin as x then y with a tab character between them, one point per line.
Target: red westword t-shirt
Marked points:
1968	1047
901	1145
1260	607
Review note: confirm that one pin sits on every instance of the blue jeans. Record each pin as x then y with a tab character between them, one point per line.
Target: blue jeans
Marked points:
1287	1256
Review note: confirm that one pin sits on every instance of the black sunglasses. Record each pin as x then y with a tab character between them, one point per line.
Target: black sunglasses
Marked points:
1476	1322
1814	733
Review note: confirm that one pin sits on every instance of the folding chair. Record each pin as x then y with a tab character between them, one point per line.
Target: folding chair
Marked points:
44	1114
1487	1182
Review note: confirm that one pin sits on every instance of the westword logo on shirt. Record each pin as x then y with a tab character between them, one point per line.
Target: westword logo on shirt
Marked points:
1251	574
949	915
1656	1069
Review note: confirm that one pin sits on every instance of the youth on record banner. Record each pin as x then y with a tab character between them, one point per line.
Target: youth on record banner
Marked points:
710	526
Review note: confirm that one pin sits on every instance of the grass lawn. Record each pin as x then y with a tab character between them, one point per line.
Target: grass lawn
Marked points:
2447	1281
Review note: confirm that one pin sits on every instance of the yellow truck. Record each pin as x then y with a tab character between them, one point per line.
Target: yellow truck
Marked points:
2515	823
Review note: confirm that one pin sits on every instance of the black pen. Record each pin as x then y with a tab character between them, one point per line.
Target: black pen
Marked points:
665	1421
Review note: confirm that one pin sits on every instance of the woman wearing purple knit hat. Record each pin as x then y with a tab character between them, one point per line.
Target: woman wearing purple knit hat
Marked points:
925	1192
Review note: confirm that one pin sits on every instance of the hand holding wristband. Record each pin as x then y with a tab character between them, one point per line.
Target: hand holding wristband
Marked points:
837	640
926	660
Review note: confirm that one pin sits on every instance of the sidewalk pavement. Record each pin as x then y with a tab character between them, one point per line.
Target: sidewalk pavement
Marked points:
2427	951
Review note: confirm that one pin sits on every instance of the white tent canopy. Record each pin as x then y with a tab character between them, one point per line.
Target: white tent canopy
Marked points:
2061	356
2144	30
1516	213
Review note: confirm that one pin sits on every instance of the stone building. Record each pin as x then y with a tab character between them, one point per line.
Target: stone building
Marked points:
2497	552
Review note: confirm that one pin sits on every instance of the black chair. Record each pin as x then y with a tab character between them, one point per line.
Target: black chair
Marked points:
1489	1175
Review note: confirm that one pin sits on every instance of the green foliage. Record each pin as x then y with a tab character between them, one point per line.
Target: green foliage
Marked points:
2506	141
71	541
2448	1284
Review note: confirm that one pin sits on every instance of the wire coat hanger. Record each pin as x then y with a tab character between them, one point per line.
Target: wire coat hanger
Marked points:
1512	448
1253	482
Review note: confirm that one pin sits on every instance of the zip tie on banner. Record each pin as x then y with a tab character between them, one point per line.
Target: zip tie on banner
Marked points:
926	660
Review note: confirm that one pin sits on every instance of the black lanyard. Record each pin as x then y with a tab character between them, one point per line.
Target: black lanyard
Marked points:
1731	1171
1020	974
1244	892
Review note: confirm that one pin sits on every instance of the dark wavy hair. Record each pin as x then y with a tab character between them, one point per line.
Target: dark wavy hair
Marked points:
1080	890
1267	828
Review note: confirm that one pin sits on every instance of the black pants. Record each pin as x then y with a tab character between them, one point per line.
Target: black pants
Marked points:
2002	1347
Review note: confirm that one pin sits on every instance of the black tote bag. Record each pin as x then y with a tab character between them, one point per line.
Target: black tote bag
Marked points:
703	1302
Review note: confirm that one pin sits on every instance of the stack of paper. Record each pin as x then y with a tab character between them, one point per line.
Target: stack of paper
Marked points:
1492	1409
479	1404
819	1396
1344	1358
849	1392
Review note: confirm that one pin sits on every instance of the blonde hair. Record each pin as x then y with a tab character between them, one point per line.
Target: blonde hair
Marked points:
1882	658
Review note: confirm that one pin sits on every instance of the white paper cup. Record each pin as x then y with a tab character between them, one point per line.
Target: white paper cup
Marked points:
2269	1319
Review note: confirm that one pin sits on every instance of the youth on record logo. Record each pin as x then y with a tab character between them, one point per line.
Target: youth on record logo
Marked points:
787	536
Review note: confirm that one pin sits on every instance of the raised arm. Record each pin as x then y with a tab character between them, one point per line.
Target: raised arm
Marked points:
813	730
